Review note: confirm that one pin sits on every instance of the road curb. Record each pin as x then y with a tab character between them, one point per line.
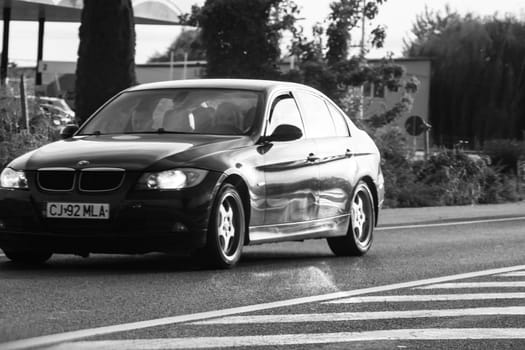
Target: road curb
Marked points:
449	214
452	221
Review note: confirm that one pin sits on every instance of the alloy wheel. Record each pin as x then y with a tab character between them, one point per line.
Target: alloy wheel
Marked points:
227	222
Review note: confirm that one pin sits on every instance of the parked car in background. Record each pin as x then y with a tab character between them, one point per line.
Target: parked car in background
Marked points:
58	116
47	111
204	166
56	102
57	109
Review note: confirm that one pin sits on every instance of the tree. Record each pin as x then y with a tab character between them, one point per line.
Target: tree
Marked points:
241	37
242	40
188	42
478	75
428	25
346	15
338	73
106	54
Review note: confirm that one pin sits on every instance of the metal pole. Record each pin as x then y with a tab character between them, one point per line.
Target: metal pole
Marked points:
518	177
427	144
40	50
23	101
363	23
362	54
171	65
57	83
5	46
184	70
414	143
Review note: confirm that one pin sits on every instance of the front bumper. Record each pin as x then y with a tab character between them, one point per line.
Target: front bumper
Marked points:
139	222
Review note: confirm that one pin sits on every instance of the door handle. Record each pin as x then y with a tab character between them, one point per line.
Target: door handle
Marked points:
312	158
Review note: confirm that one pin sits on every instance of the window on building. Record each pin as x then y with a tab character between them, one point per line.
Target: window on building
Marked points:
379	90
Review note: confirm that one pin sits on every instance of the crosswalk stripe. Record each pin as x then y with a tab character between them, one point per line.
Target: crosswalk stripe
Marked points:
458	285
426	297
360	316
50	339
296	339
512	274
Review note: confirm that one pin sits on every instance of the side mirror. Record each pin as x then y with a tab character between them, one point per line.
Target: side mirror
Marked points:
68	131
285	132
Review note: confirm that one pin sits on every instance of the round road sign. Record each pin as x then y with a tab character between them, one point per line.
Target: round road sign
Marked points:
415	125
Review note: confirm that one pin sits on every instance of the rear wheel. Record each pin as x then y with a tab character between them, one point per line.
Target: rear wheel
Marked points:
360	231
28	257
226	229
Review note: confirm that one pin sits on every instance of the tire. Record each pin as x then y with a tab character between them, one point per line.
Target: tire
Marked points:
28	257
358	239
226	229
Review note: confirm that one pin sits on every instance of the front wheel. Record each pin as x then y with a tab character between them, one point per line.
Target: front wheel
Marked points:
27	257
360	231
226	229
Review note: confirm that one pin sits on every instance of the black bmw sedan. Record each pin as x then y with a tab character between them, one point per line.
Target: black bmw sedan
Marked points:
200	166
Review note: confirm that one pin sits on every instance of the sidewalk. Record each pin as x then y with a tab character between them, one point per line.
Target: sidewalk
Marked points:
407	216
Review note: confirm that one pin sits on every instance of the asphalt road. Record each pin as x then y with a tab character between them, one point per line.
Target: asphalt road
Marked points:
290	295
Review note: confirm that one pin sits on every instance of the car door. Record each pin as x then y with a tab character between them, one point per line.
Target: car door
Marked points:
290	170
337	170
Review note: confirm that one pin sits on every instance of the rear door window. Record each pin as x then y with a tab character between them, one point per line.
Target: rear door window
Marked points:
317	119
341	127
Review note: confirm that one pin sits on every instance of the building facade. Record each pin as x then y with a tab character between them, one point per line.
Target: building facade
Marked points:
378	100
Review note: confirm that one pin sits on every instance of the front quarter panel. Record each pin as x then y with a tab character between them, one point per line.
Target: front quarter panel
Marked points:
238	164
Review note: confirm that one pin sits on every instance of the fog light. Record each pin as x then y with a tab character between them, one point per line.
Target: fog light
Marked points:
179	227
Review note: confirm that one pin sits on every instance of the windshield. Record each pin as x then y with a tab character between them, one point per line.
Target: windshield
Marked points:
194	111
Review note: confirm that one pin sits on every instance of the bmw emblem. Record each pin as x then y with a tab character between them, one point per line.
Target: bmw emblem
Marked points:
83	163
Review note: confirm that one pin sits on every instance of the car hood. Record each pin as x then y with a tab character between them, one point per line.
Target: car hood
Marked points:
130	152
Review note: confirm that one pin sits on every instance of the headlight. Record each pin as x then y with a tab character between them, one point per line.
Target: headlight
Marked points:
174	179
13	179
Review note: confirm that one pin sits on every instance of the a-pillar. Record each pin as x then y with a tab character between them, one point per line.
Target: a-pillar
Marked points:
5	46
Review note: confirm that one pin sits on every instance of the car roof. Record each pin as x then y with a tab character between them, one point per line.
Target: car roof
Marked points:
243	84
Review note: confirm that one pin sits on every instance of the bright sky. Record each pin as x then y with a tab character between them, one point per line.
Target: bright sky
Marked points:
61	39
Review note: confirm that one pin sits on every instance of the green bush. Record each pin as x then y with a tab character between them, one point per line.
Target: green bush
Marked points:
505	153
447	178
498	187
458	175
492	186
14	139
397	172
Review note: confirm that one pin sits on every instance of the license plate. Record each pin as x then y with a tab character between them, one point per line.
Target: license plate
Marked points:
77	210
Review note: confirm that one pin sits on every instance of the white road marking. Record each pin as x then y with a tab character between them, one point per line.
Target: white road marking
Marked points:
361	316
471	222
458	285
297	339
426	297
512	274
98	331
